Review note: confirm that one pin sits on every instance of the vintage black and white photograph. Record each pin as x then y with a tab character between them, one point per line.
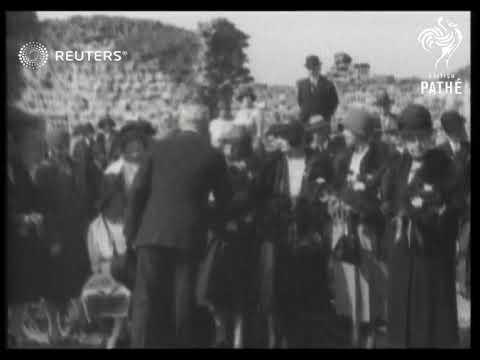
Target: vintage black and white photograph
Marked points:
238	179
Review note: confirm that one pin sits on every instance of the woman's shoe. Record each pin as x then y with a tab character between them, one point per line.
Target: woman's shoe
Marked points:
222	345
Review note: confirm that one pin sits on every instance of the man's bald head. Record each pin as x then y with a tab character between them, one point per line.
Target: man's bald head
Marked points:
192	117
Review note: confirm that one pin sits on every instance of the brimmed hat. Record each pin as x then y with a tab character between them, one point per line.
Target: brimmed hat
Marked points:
415	119
312	61
133	131
318	124
146	127
454	124
105	122
292	132
360	122
246	91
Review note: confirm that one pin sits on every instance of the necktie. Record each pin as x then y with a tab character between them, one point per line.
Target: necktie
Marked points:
416	165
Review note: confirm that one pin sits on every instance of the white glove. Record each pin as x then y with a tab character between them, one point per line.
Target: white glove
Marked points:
417	202
358	186
427	188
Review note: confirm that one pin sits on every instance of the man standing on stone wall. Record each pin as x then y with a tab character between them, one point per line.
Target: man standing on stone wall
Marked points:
316	94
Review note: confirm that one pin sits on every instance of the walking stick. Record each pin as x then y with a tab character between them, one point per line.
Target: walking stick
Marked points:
344	214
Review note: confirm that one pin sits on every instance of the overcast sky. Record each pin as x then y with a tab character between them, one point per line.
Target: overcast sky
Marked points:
279	41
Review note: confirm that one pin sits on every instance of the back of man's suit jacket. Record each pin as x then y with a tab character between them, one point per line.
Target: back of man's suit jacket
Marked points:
168	206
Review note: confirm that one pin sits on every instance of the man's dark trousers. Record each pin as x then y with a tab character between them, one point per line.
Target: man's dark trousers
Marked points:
163	298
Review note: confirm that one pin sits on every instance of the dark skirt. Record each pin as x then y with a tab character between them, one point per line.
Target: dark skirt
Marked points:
422	299
69	270
26	277
231	265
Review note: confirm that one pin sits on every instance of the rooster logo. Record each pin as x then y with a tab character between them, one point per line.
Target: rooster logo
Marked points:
448	38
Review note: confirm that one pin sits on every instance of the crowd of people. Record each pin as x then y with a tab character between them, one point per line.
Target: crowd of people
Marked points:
264	227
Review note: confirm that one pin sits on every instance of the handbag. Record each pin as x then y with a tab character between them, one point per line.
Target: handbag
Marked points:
345	243
122	266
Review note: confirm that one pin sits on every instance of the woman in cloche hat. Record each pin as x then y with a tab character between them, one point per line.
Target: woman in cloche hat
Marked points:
359	168
231	289
291	236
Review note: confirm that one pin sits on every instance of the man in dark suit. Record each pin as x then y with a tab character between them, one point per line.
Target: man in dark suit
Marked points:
107	139
166	223
457	147
316	94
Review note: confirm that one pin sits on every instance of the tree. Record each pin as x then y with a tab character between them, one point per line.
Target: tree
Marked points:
22	26
223	61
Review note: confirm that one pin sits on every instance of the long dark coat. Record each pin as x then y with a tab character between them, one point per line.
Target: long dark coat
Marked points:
460	208
26	255
298	279
365	204
66	220
233	278
422	302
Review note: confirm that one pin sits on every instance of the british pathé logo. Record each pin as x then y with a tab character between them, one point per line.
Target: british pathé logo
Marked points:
445	39
442	84
33	55
446	36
